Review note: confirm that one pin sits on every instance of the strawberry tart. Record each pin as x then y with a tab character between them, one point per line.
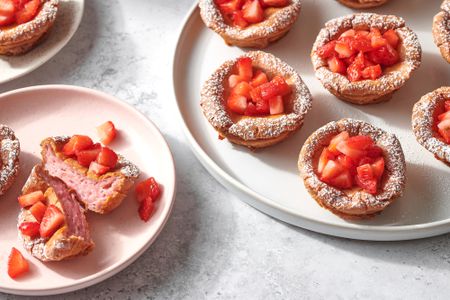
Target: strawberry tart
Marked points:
250	23
431	123
441	30
352	168
255	100
364	58
9	158
23	23
363	3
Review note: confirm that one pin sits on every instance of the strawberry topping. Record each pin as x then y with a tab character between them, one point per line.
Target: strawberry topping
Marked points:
15	12
443	123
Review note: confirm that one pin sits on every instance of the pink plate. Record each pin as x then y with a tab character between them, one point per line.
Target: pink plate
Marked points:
121	237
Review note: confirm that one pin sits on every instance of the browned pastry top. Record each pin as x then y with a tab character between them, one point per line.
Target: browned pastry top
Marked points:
441	30
423	123
9	157
354	202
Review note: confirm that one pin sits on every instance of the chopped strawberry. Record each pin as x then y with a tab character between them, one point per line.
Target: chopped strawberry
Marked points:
85	157
53	219
19	4
391	37
148	188
372	72
229	7
374	151
239	20
275	3
251	110
444	130
233	80
342	136
7	7
362	142
325	156
365	160
30	229
245	68
443	116
346	162
343	180
38	210
354	71
146	209
447	105
256	93
276	87
31	198
343	49
348	33
353	153
331	170
378	168
107	157
385	56
365	172
6	19
378	41
259	78
17	264
361	44
107	132
327	50
276	105
262	107
77	143
253	11
336	65
98	168
237	103
374	32
28	12
243	89
369	186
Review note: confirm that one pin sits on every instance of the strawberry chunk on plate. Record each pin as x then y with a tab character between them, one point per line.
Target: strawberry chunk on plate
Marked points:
17	264
38	210
31	198
28	12
107	132
51	222
148	188
107	157
146	209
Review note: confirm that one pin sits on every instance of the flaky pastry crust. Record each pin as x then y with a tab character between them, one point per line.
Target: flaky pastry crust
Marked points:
441	30
19	39
423	123
9	158
277	23
360	4
393	78
354	203
255	132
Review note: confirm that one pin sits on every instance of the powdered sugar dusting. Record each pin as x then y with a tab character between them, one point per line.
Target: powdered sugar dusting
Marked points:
356	202
441	30
9	163
423	121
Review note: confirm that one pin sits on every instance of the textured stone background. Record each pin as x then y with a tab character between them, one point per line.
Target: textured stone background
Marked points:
214	246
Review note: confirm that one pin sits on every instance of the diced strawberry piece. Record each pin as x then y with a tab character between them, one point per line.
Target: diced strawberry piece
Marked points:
28	12
378	41
276	87
77	143
7	7
238	19
443	116
245	68
251	110
243	89
447	105
343	49
342	136
107	132
146	209
325	156
362	34
374	151
331	170
336	65
233	80
237	103
362	142
374	32
361	44
107	157
218	2
378	168
370	186
262	107
349	60
259	78
253	11
372	72
365	172
38	210
348	33
255	93
342	181
276	105
31	198
354	72
365	160
391	37
444	130
147	188
85	157
98	168
275	3
30	229
19	4
327	50
53	219
346	162
353	153
228	7
17	264
6	20
385	56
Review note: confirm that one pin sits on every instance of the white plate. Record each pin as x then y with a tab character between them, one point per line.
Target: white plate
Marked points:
67	21
268	179
120	237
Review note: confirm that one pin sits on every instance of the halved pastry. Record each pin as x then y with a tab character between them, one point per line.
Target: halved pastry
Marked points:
441	30
52	223
255	100
363	3
364	58
431	123
253	23
9	158
24	23
99	177
352	168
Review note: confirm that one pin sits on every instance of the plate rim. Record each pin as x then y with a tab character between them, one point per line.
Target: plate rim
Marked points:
348	230
56	49
118	267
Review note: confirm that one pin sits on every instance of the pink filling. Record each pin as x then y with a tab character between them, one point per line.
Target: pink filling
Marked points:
92	192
